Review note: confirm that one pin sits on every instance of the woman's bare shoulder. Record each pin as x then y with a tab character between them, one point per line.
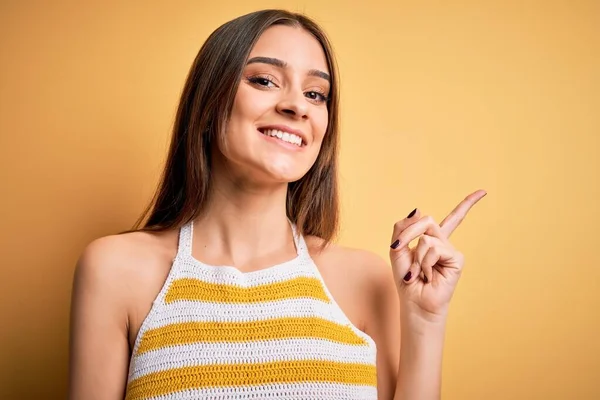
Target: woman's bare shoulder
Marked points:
361	262
121	264
120	253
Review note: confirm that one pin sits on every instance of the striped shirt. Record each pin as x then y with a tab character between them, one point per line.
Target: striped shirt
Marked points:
214	332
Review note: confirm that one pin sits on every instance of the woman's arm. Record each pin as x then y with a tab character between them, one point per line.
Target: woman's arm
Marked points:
99	348
420	371
409	350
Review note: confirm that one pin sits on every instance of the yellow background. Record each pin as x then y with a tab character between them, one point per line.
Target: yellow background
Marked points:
439	99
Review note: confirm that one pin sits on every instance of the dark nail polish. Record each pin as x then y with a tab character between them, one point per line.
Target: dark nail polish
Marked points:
395	244
407	276
413	212
425	279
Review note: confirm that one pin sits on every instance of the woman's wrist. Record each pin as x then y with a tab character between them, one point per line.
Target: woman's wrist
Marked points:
415	319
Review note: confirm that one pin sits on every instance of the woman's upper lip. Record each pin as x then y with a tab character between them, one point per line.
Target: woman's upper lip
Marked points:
285	128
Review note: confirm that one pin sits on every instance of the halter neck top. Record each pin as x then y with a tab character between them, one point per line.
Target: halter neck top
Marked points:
214	332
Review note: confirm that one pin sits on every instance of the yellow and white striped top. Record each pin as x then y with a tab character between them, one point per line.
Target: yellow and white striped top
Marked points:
214	332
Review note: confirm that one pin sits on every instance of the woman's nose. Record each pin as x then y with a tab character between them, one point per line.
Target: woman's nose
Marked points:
293	104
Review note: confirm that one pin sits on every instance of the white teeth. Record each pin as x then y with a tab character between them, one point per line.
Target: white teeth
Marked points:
285	136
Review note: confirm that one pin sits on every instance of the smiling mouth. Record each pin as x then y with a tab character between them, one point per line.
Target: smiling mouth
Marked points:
283	136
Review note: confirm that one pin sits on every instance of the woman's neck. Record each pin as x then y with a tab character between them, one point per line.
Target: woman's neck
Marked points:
242	224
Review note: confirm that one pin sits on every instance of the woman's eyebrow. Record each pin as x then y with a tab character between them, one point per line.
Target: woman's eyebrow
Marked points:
282	64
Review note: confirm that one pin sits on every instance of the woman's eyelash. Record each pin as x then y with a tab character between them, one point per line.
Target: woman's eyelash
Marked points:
260	80
323	98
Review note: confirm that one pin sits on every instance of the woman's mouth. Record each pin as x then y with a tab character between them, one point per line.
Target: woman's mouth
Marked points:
281	136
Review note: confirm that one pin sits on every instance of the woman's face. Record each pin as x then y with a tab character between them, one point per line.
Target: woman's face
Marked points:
279	115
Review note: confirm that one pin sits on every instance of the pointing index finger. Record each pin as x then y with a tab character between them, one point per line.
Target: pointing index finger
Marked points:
453	220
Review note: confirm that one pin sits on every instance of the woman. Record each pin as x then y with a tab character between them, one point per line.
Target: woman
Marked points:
233	288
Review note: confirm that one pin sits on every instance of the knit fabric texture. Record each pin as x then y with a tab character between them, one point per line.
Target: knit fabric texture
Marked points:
214	332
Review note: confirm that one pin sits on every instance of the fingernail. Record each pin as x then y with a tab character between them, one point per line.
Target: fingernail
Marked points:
425	279
413	212
408	276
395	244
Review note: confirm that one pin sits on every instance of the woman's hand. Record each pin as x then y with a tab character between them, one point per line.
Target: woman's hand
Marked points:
427	274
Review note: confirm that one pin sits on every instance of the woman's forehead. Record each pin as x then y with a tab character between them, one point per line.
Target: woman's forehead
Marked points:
295	46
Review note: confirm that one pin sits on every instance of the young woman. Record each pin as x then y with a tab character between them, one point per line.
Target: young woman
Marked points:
233	289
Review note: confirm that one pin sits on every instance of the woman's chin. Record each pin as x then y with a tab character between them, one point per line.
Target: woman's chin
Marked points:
284	175
284	171
286	178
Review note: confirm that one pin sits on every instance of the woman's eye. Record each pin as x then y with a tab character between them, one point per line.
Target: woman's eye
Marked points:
319	97
257	80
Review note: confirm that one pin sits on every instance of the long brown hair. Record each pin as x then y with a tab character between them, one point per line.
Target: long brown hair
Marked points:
204	108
